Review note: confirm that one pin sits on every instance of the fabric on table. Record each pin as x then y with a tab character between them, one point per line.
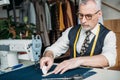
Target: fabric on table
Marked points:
30	73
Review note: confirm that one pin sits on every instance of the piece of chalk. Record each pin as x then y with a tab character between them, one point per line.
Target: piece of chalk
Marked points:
44	70
49	73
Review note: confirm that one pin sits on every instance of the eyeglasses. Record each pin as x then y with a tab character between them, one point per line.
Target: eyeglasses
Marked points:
87	16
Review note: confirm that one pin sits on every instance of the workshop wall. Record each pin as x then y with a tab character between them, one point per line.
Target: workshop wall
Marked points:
110	13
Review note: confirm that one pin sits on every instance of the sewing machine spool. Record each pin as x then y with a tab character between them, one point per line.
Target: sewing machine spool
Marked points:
8	60
12	59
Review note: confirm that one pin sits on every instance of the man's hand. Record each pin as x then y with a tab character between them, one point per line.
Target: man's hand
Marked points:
47	60
66	65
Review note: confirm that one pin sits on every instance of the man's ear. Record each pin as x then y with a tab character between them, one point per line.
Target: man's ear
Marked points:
100	14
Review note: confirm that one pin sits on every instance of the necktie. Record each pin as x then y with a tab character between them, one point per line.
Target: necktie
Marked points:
85	43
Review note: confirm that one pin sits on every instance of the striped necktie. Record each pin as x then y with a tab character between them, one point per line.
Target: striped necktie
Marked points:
85	43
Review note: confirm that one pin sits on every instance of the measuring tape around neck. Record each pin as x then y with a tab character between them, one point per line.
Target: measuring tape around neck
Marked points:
93	46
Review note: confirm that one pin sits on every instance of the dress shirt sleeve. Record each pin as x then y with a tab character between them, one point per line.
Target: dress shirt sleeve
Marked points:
109	49
61	45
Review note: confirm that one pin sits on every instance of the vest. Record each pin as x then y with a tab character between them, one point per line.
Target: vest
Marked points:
99	45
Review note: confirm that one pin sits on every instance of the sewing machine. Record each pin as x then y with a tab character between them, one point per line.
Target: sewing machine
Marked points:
10	51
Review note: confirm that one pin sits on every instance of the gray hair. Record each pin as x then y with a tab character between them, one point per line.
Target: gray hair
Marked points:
98	3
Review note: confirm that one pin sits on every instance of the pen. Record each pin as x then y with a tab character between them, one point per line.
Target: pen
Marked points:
17	66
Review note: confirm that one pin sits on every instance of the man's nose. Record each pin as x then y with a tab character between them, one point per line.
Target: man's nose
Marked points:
83	20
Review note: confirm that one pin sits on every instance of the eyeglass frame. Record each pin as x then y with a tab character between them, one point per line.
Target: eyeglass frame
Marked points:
87	16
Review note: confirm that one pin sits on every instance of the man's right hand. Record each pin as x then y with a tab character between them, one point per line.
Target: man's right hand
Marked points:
47	60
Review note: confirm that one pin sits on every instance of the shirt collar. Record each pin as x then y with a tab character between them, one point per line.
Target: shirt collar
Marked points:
94	30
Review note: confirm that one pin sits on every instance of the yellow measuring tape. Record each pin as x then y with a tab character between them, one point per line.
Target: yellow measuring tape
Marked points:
76	42
95	41
94	44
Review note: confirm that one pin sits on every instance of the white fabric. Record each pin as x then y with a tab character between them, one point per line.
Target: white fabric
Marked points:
109	49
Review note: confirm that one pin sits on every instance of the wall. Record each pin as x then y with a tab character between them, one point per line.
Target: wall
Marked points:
109	13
